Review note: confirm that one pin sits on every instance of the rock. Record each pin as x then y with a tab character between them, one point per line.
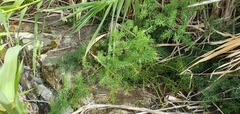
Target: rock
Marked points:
31	96
68	110
45	92
34	108
39	93
68	40
135	97
27	79
88	100
51	75
45	41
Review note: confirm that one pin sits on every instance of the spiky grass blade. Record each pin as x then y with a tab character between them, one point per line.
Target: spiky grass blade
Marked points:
4	22
22	13
126	7
36	44
137	11
84	19
97	31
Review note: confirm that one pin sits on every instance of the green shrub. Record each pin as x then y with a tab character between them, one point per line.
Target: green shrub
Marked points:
168	22
131	54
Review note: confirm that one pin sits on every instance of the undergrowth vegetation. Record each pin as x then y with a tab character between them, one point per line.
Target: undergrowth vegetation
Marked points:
135	55
186	49
71	96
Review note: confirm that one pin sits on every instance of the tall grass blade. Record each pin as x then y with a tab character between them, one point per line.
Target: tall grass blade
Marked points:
22	13
112	28
136	11
35	44
78	11
84	19
4	22
97	31
18	75
119	8
126	7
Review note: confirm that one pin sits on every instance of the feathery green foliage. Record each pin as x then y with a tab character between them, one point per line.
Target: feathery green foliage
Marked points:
70	95
132	53
166	22
128	57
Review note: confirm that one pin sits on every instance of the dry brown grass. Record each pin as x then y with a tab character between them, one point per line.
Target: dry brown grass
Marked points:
226	11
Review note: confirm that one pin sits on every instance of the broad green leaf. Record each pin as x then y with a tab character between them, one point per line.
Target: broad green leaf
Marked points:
4	103
8	73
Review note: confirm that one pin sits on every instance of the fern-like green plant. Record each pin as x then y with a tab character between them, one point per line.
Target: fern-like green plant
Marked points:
166	22
71	95
132	53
